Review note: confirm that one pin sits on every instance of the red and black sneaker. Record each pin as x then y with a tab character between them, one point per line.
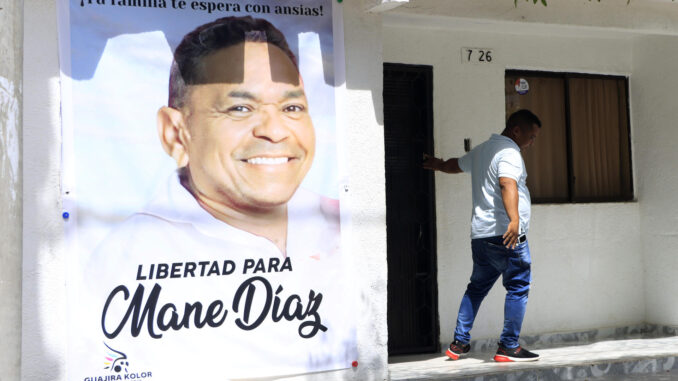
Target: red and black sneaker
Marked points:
457	349
518	354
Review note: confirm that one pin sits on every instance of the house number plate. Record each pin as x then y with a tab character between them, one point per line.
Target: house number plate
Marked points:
477	55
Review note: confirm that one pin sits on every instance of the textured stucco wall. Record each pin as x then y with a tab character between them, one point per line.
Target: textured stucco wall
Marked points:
363	113
11	14
44	346
44	257
655	85
586	257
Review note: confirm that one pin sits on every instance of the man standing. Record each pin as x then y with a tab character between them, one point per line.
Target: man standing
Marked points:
499	225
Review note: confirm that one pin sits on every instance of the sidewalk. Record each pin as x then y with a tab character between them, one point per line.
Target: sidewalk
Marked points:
618	360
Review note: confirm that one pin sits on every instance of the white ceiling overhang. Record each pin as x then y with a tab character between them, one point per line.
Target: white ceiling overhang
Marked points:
613	16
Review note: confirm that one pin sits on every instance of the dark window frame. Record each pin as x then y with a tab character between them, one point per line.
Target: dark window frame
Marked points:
565	76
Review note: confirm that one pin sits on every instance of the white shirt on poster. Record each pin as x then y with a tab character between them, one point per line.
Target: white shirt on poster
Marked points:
225	303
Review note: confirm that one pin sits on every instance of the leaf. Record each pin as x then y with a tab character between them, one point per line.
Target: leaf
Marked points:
544	2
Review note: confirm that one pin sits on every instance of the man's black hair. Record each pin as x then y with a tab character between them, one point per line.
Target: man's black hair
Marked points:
208	38
523	119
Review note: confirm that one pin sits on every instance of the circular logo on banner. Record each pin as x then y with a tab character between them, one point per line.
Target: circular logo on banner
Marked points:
522	87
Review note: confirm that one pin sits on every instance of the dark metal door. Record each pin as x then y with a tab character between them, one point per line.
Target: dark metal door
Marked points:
410	210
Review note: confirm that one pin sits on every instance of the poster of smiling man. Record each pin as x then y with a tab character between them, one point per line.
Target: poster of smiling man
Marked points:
201	190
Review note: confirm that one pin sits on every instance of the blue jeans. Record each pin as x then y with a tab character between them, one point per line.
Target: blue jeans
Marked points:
491	259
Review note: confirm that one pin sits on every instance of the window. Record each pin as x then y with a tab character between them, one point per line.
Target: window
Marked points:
583	151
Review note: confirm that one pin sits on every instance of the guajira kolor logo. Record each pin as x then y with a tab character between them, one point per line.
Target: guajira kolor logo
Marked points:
117	366
115	361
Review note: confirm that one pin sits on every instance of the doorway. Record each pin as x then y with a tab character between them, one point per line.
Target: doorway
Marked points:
413	325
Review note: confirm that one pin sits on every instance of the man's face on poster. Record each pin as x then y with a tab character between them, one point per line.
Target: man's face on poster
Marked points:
251	137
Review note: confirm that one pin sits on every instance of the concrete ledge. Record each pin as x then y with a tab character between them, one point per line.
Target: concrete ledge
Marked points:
582	362
559	339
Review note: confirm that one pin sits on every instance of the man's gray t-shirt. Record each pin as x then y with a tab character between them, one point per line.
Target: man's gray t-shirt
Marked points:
498	157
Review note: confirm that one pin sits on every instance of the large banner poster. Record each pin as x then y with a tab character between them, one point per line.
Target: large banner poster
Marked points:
201	190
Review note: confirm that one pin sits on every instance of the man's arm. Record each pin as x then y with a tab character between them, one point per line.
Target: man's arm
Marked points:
447	166
509	195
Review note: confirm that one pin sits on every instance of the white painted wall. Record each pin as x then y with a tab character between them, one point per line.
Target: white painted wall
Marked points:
365	156
587	265
11	16
656	120
44	335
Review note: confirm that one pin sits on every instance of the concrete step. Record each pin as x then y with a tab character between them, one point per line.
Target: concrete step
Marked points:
618	360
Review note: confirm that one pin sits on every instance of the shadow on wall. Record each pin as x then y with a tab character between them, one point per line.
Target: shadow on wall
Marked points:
363	55
141	22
